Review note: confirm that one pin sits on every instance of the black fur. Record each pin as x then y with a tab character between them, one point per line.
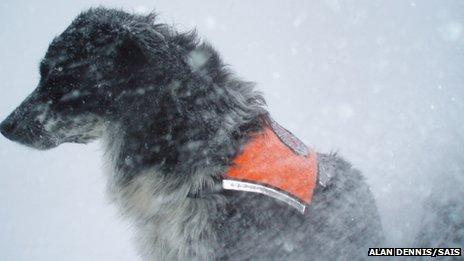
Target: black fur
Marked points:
163	109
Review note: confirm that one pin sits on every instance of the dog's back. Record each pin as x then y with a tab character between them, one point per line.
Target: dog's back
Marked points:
341	223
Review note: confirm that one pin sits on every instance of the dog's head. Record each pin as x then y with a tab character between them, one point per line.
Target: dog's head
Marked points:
84	78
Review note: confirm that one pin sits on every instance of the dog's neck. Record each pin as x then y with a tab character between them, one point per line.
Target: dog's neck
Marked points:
199	118
176	145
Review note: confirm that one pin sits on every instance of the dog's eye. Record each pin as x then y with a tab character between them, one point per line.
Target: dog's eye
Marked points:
58	69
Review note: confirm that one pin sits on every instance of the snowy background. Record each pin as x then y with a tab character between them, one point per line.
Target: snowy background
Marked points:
379	81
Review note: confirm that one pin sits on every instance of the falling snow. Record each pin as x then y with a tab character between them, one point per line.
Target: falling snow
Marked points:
381	83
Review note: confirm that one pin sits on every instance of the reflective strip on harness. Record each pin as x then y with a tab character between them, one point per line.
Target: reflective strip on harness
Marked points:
262	189
270	165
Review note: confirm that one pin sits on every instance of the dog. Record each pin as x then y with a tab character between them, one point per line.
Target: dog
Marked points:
173	119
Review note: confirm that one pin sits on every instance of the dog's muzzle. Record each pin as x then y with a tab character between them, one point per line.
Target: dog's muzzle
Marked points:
8	128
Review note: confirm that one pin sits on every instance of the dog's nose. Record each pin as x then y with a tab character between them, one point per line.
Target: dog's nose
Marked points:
7	127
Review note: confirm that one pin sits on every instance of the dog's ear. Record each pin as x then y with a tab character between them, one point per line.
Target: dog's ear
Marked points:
142	42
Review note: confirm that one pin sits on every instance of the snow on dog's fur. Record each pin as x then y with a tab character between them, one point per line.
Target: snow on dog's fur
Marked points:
172	119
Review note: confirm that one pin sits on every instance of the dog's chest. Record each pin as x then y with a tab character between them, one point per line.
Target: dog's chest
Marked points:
169	225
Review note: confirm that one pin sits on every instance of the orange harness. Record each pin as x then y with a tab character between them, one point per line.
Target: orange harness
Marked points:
277	164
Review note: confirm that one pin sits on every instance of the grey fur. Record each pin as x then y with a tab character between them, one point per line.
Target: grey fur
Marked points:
340	224
173	118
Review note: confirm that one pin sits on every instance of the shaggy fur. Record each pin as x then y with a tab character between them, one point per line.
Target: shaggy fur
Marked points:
172	118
